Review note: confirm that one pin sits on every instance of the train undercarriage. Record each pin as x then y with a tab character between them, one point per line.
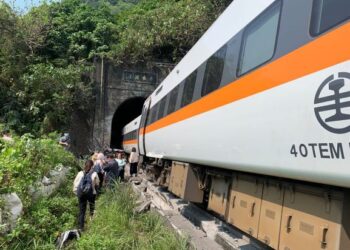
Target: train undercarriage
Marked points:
284	214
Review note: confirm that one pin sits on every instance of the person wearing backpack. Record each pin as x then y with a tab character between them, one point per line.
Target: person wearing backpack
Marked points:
99	163
84	187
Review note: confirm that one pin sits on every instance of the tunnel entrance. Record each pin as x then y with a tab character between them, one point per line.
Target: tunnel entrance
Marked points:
126	112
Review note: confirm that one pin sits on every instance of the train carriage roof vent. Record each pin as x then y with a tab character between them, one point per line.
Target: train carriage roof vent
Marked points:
159	89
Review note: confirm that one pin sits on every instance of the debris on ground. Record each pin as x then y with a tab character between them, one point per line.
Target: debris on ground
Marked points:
203	230
63	239
144	207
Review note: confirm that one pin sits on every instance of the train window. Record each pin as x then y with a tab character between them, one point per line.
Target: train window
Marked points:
161	108
150	116
230	67
213	71
189	89
172	101
154	113
143	116
259	40
130	135
148	121
327	14
126	137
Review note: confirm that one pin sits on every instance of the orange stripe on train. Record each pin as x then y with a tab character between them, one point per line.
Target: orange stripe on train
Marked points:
326	51
130	142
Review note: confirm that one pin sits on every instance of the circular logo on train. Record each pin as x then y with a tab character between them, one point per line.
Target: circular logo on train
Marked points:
332	103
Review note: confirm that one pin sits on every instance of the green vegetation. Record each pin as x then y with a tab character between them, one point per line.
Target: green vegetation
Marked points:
23	162
43	55
26	160
44	220
44	52
162	29
115	226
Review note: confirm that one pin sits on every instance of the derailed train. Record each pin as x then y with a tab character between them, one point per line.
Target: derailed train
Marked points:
255	121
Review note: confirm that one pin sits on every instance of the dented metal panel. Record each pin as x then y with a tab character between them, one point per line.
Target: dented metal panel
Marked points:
183	182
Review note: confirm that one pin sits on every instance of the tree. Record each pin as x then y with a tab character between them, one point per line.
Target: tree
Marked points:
162	29
44	52
34	27
12	61
79	31
51	93
10	46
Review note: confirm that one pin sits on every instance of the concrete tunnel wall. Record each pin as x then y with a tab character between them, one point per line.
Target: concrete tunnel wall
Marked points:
120	94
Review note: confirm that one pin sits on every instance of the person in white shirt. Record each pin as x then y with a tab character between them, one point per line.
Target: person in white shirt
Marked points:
121	163
134	160
84	187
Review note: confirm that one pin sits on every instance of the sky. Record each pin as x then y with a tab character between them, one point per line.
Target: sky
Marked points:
23	5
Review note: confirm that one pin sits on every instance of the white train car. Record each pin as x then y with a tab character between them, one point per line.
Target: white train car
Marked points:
261	105
130	135
258	95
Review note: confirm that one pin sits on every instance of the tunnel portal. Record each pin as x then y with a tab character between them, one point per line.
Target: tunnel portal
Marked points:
126	112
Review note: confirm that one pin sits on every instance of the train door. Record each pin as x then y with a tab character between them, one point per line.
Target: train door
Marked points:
142	128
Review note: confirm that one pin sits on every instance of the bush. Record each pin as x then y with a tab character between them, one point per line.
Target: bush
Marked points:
44	221
23	162
26	160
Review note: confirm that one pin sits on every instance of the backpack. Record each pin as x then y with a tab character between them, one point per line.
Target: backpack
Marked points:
85	185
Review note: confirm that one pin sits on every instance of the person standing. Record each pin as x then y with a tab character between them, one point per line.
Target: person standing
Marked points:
134	160
65	141
121	163
111	170
84	187
98	168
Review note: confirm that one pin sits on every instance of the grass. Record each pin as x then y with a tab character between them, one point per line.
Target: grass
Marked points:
115	226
